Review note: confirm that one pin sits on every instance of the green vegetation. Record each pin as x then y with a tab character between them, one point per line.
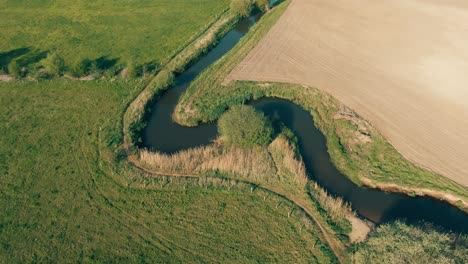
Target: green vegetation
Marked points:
68	193
134	119
14	69
243	126
131	70
139	30
401	243
54	64
355	147
243	8
65	195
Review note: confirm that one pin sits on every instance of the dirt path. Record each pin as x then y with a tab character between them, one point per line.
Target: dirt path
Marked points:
402	64
336	247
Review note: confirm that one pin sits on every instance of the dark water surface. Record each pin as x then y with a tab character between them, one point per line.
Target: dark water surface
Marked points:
164	135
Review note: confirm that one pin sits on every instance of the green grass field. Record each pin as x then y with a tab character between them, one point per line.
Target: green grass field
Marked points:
68	195
67	192
65	196
141	31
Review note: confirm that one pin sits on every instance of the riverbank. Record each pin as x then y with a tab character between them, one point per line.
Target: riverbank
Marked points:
134	121
146	160
356	148
69	195
405	73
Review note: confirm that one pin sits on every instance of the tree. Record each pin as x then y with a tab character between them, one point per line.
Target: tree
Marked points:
243	126
241	8
54	64
14	69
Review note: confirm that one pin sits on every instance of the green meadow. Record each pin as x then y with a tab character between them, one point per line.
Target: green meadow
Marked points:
141	31
68	192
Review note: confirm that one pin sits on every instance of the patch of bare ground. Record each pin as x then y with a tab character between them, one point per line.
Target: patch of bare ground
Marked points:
388	187
361	229
399	64
6	78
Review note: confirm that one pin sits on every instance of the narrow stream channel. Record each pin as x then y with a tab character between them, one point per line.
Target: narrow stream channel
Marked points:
164	135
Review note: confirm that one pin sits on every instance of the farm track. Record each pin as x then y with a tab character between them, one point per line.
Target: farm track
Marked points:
406	75
337	249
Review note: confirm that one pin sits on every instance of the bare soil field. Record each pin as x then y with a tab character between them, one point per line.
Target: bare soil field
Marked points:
401	64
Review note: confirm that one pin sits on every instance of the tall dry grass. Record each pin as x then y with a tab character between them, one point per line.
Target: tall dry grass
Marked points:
335	207
286	160
254	163
284	155
248	163
186	161
277	164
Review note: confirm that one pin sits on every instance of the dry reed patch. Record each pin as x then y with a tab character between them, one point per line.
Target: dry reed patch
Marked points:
255	163
184	161
289	164
336	208
286	160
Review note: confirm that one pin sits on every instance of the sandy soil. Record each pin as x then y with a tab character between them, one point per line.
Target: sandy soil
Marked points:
6	78
402	64
360	229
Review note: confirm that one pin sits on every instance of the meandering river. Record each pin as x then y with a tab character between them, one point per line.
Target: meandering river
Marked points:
164	135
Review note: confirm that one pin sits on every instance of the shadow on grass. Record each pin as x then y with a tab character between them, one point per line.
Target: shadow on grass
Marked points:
8	56
23	56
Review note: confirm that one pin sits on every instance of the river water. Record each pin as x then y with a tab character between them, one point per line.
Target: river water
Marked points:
164	135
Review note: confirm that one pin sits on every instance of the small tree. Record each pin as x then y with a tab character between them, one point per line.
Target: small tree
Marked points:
241	8
14	69
243	126
54	64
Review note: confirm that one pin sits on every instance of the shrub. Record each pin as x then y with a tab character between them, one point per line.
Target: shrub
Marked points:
54	64
243	126
241	8
81	68
132	71
14	69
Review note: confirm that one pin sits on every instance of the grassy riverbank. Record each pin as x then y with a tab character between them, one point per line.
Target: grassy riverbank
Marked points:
190	162
66	196
356	148
68	193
